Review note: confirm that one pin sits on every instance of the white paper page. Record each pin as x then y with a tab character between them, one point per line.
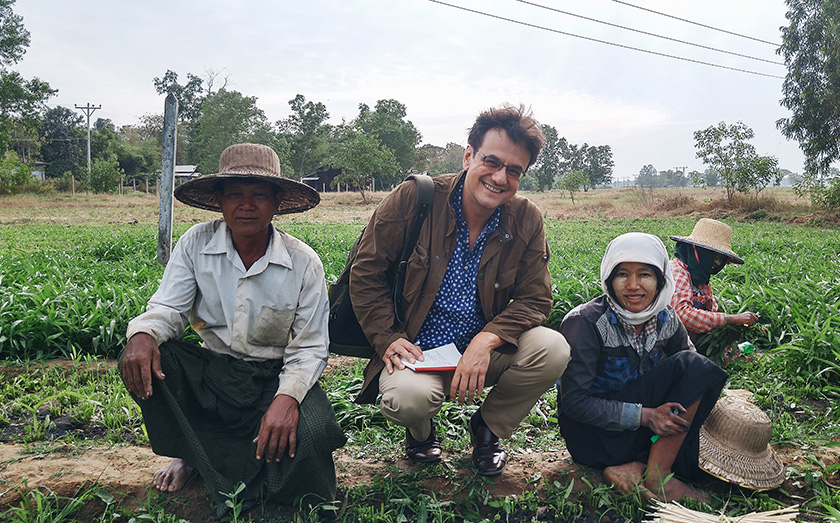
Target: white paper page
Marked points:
443	356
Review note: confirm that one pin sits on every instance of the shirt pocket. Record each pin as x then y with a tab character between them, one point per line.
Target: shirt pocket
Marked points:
272	327
614	375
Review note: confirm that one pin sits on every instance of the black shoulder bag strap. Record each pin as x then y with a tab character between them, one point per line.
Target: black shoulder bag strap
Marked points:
425	194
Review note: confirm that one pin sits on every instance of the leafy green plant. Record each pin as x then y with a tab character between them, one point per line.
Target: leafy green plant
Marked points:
233	504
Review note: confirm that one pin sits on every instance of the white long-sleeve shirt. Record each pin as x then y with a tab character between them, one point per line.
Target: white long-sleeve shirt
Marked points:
277	309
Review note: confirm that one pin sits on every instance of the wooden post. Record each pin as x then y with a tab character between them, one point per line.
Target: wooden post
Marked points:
167	178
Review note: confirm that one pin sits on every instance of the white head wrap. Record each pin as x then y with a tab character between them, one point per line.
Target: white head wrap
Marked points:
642	248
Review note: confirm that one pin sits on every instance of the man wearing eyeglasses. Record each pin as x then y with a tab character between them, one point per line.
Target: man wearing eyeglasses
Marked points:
477	278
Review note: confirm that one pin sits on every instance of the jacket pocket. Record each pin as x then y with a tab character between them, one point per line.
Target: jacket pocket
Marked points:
415	276
272	327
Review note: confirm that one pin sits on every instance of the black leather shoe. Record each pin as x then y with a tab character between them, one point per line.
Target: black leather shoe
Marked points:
488	456
425	451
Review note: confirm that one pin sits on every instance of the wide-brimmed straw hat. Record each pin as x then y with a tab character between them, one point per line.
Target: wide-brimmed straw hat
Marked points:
713	235
734	445
248	161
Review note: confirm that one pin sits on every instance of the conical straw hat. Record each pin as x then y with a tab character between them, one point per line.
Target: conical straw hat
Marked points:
734	445
248	161
713	235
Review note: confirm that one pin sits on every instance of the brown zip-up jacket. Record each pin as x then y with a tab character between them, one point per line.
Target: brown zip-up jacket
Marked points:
514	286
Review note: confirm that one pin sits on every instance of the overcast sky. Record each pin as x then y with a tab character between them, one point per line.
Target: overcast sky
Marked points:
444	63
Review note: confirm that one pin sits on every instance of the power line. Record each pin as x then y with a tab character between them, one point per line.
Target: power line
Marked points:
774	44
650	34
691	60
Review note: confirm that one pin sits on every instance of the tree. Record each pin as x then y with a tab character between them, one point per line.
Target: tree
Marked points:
648	177
308	133
359	156
811	89
387	122
599	165
105	175
757	172
190	95
708	178
63	142
226	118
573	181
21	101
725	149
13	172
574	157
14	38
547	167
104	141
440	160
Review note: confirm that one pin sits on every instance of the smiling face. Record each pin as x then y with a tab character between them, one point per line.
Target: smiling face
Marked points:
248	207
634	285
486	188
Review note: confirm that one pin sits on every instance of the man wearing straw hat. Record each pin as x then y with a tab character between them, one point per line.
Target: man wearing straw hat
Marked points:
245	406
705	252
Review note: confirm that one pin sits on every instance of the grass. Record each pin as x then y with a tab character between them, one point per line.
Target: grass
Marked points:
68	292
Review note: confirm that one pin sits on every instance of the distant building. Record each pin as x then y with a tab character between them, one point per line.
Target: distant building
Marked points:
185	172
38	170
322	179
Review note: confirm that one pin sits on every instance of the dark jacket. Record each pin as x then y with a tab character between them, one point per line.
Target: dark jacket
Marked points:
514	286
603	362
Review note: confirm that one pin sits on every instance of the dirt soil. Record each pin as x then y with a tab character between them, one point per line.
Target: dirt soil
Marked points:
126	472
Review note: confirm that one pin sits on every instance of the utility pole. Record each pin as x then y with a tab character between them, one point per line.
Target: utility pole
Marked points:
88	110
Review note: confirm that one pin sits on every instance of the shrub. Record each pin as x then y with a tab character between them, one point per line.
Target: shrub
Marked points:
13	172
105	175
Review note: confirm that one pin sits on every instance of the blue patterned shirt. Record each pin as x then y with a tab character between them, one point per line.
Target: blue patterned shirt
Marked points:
455	316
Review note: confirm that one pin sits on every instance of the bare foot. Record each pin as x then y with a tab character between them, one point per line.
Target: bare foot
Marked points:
629	479
675	490
173	476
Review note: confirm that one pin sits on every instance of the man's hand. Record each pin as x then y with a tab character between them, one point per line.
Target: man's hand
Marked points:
278	429
665	420
140	362
746	319
468	381
401	347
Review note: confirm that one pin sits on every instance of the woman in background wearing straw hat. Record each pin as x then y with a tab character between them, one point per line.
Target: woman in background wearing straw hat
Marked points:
705	252
635	392
245	406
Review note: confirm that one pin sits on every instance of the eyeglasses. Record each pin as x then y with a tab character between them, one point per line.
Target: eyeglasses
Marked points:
514	171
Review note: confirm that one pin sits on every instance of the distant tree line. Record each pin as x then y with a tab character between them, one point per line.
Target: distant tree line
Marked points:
569	167
380	146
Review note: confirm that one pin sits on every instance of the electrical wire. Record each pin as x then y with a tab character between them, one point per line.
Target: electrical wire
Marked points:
526	24
774	44
650	34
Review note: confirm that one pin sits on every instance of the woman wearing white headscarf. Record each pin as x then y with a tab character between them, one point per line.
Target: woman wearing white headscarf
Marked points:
635	392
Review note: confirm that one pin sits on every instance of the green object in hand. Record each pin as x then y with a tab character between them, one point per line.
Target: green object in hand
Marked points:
654	438
746	347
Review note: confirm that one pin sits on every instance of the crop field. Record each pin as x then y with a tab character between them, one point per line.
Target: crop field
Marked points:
67	292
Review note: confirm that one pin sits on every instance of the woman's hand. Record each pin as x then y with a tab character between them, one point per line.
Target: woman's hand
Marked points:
747	319
665	420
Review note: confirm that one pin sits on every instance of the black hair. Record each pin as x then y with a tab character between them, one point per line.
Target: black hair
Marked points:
517	122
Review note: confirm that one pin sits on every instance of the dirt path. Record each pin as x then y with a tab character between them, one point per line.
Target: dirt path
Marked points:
126	472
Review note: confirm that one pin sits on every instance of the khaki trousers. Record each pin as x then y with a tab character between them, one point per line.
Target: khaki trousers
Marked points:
411	399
